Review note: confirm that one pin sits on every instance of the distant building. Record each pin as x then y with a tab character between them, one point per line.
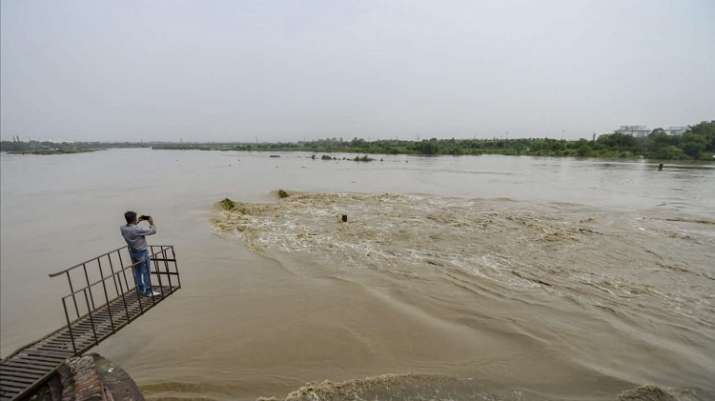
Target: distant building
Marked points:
640	131
676	130
633	130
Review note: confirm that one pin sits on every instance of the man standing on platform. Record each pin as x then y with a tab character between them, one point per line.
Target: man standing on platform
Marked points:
135	234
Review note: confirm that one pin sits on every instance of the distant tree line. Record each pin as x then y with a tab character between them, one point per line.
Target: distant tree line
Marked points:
17	146
697	143
46	147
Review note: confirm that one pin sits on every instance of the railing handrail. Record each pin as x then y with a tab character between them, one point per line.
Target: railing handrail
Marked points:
120	270
97	257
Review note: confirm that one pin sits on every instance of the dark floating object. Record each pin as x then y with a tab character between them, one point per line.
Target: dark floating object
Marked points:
344	218
227	204
660	167
282	194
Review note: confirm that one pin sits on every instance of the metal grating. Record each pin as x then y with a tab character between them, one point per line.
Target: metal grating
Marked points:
95	311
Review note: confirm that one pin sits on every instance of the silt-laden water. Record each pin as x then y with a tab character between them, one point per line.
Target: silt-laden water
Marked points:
504	277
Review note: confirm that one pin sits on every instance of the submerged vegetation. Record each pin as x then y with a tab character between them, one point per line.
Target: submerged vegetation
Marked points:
363	158
227	204
697	143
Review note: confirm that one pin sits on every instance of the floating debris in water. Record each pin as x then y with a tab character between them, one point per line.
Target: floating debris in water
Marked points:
227	204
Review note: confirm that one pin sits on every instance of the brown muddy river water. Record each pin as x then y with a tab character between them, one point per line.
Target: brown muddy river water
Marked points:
490	277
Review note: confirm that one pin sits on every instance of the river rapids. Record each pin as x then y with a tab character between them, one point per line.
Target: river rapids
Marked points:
623	295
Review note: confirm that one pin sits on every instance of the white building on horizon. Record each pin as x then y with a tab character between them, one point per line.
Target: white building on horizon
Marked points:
633	130
640	131
676	130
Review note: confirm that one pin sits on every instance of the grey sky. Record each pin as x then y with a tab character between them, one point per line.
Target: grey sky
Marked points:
237	70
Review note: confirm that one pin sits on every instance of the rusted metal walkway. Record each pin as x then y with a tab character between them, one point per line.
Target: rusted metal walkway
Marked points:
103	298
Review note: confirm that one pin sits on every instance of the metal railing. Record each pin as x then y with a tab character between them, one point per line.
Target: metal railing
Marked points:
104	295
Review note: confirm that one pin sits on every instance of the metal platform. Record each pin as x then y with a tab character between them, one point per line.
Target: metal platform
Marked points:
103	304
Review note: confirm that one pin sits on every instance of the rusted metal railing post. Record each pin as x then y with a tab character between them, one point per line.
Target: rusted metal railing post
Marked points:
86	277
91	318
166	267
106	295
126	282
74	299
176	265
124	300
158	273
69	325
151	285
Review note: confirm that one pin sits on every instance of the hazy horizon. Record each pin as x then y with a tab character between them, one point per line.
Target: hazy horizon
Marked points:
221	71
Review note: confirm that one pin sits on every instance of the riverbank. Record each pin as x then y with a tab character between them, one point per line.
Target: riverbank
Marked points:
606	147
46	148
60	148
697	143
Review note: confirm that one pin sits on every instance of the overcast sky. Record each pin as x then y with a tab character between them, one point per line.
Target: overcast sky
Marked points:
293	70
